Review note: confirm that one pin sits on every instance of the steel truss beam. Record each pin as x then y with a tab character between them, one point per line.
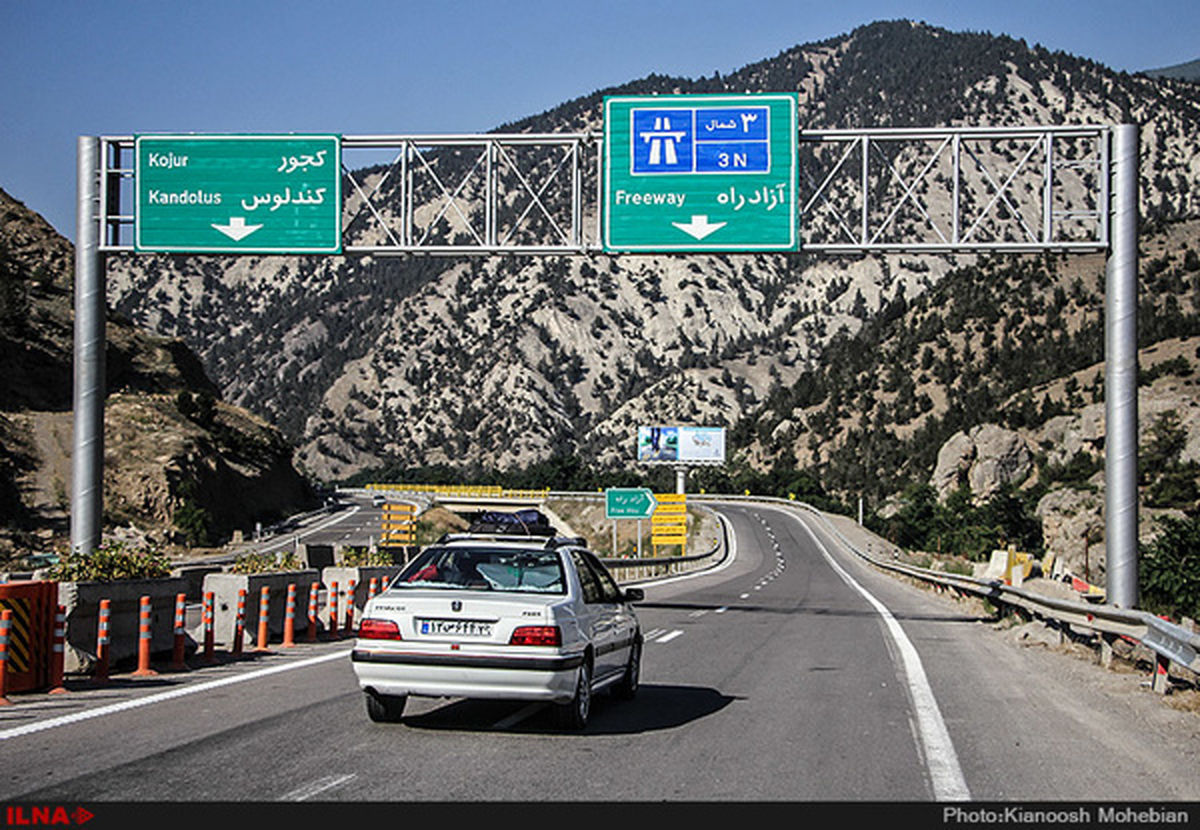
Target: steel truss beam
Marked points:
948	190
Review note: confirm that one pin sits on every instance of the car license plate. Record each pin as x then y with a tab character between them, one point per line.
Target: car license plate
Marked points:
455	628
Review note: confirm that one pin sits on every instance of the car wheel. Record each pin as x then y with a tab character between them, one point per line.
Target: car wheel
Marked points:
627	687
574	713
385	708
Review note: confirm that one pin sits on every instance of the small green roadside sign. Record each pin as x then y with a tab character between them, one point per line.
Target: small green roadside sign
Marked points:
629	503
275	194
700	173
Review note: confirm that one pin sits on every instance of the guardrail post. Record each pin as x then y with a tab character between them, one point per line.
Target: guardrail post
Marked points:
1162	678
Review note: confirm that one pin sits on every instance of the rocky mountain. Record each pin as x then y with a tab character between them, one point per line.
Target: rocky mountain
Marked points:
181	465
496	363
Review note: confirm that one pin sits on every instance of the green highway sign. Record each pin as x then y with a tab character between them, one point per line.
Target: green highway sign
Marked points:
277	194
629	503
700	173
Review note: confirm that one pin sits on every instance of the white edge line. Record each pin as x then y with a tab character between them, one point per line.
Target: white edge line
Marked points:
945	774
317	787
77	717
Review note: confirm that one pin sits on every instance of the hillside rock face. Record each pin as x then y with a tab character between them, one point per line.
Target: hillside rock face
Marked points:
985	459
181	466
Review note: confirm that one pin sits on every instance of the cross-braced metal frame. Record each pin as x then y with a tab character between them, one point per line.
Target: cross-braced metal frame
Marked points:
949	190
937	190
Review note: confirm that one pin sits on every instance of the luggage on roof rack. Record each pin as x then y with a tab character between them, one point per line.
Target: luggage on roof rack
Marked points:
529	522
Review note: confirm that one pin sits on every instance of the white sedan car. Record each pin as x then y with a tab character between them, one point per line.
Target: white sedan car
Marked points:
483	616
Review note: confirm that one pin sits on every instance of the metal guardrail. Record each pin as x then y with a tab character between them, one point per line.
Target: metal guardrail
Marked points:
1166	639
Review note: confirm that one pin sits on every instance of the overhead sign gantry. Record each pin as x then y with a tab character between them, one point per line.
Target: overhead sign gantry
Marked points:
671	174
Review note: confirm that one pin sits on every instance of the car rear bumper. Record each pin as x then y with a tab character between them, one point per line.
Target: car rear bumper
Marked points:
441	674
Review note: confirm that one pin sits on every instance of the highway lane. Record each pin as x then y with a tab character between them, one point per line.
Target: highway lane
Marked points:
773	678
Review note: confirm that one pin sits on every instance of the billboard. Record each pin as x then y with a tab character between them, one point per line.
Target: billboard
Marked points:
681	445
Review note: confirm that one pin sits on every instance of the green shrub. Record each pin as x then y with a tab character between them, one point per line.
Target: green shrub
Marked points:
111	561
1169	569
365	557
260	563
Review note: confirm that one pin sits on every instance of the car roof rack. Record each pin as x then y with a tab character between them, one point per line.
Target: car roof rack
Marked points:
549	542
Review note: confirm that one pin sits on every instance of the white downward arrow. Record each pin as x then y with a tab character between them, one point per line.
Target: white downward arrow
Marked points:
699	227
237	229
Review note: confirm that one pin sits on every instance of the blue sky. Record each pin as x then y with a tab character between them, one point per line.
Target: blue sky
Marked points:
118	67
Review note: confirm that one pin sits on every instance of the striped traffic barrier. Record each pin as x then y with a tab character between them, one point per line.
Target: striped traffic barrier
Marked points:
144	643
348	622
5	628
312	611
264	609
289	617
333	610
180	643
209	637
102	642
239	623
372	588
56	657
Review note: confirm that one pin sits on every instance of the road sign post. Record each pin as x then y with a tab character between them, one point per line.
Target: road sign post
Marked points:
700	173
278	194
629	503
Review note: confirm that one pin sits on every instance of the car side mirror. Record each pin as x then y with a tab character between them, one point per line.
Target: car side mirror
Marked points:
633	595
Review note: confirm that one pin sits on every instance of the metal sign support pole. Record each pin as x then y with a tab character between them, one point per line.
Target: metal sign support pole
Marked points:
87	461
1120	375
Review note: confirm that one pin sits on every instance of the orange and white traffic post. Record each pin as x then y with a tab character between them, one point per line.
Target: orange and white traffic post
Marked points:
333	610
180	643
312	611
348	624
144	643
239	623
5	628
289	617
209	639
264	610
56	656
102	642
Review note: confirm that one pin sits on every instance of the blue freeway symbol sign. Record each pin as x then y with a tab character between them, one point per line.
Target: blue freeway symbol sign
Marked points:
629	503
238	193
700	173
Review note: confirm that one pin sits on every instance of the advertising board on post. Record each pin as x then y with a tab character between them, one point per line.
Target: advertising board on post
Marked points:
681	445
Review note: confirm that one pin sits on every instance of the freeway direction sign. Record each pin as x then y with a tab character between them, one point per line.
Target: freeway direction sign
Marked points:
629	503
274	194
700	173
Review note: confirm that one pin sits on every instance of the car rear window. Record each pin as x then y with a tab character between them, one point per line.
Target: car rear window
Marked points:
485	569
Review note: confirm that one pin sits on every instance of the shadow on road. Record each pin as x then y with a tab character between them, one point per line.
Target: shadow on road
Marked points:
657	706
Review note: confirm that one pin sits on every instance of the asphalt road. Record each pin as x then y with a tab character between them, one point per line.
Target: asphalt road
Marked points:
793	672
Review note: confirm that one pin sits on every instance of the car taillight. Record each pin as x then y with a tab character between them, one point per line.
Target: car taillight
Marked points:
373	629
536	635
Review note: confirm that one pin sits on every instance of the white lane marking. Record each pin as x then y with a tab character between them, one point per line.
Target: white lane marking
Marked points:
744	596
699	613
294	537
669	637
722	609
112	709
941	760
317	787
